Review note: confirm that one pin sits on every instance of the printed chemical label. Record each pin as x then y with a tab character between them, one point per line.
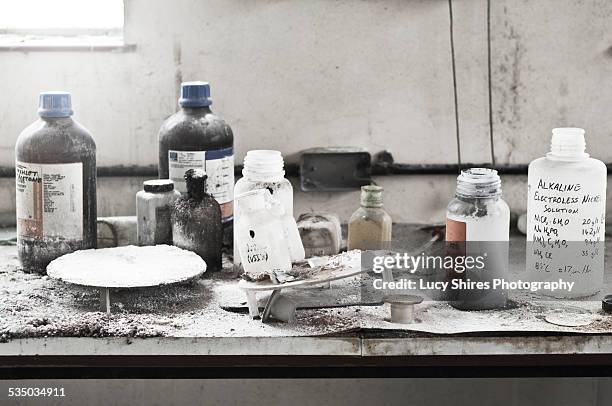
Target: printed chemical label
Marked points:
49	200
219	167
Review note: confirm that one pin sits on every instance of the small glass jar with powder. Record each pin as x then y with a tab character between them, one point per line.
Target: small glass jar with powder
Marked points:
478	225
153	209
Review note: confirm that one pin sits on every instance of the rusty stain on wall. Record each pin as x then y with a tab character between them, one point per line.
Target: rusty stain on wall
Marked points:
178	74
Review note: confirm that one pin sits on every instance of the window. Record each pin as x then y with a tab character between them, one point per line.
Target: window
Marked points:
42	23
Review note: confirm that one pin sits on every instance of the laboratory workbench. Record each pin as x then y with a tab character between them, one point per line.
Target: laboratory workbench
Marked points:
52	330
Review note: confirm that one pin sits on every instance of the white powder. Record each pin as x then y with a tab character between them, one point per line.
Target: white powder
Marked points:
492	227
127	267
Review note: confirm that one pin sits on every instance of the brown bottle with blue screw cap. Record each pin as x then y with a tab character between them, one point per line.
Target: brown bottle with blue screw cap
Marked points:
196	221
55	172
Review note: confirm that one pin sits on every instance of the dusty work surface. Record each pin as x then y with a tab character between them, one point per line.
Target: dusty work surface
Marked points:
36	312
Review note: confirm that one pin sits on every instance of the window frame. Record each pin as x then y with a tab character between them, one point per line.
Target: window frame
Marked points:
65	39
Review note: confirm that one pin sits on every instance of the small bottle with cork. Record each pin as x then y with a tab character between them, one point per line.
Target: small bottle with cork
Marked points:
370	225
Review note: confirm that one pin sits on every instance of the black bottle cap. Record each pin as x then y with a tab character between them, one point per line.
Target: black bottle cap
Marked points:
158	185
606	304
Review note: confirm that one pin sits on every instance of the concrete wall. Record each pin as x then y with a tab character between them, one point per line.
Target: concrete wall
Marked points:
286	74
293	74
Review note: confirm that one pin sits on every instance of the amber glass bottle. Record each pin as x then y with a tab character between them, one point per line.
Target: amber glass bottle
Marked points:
56	185
370	225
196	221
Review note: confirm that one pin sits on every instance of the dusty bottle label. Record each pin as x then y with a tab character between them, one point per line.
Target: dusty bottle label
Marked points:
455	230
256	252
49	200
219	167
566	230
572	210
456	236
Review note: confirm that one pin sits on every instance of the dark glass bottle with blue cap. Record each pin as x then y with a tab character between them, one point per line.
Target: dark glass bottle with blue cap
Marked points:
195	138
55	173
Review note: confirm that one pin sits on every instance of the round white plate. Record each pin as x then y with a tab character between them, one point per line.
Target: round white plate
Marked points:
128	267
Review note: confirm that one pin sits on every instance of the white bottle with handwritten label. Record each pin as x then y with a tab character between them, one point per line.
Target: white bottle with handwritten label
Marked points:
566	217
263	169
267	237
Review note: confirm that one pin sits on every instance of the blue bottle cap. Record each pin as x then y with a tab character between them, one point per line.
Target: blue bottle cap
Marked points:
54	104
195	94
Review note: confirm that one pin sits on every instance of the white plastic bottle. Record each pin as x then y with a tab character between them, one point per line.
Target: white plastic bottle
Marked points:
263	169
267	238
566	216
